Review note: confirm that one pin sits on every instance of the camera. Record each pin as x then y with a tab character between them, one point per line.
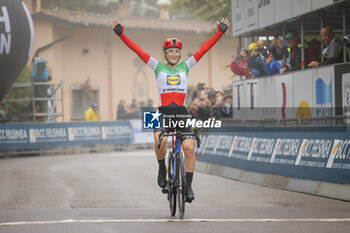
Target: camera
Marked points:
346	40
200	88
262	49
239	59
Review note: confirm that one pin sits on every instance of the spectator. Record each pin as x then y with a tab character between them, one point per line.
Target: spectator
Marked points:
227	109
40	74
260	60
133	103
253	61
193	110
141	108
219	96
91	114
216	105
294	51
333	53
266	58
121	111
239	64
279	54
199	109
132	113
149	103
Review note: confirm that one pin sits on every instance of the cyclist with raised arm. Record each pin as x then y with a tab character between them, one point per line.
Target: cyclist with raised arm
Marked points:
172	82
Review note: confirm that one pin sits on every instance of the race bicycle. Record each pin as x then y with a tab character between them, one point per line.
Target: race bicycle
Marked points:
176	184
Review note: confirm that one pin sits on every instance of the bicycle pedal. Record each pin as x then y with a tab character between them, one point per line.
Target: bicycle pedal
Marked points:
164	190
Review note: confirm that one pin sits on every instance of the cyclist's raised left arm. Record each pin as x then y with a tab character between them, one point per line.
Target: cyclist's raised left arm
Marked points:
119	30
222	27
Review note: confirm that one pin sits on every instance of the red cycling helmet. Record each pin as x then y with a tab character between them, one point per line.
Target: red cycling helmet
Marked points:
172	43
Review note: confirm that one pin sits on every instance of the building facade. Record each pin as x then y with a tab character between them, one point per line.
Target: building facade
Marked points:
94	65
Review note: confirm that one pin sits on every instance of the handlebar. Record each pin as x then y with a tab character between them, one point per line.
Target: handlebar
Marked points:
178	135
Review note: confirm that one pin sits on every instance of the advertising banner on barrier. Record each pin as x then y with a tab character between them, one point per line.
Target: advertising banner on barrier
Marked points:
316	153
323	84
303	95
32	136
141	137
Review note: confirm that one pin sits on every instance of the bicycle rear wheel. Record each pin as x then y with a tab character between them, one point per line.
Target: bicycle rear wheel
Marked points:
171	186
180	184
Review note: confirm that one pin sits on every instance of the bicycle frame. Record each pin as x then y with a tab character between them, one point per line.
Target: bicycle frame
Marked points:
176	149
174	184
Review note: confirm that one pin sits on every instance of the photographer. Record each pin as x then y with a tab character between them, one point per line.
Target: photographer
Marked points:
199	108
216	102
260	61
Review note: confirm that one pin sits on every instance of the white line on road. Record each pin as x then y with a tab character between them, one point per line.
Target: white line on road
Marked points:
262	220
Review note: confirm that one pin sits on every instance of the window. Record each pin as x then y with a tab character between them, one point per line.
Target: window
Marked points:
81	101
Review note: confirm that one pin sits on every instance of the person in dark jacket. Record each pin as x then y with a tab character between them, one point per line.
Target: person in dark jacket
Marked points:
254	66
294	51
333	53
121	111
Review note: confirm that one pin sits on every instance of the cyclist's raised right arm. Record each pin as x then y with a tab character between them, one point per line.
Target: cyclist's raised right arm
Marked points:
145	57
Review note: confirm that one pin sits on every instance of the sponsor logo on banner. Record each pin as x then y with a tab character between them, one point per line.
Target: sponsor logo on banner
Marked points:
340	155
114	132
314	152
47	135
32	137
13	136
260	148
240	147
285	151
212	141
84	133
224	145
203	139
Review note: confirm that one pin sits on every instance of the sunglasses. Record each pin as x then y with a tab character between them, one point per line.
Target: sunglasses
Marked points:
174	50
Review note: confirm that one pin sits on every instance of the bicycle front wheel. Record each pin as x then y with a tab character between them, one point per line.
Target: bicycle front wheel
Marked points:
181	184
171	185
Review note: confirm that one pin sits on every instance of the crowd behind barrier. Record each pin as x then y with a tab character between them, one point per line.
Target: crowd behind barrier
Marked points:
285	54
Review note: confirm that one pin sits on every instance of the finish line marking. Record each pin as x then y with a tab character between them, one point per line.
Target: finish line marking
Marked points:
240	220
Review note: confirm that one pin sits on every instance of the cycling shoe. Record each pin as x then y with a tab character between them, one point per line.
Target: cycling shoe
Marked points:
189	195
161	178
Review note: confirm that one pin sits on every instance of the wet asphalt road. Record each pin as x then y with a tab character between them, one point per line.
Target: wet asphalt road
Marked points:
117	192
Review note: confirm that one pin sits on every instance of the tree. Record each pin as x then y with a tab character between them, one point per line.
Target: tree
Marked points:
21	93
208	10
